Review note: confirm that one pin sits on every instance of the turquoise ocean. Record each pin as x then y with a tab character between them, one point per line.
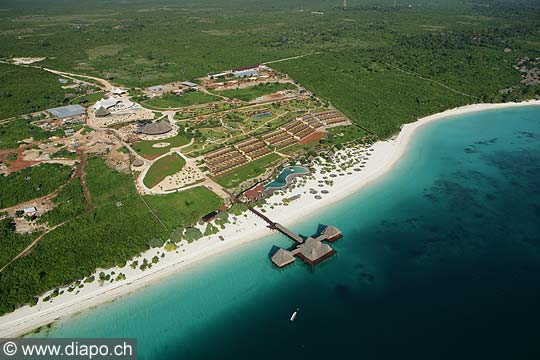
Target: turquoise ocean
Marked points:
440	259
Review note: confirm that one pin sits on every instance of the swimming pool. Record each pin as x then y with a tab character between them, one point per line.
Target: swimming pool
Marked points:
283	178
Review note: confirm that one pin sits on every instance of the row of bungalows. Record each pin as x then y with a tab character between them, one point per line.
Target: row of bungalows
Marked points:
223	160
280	139
311	120
332	118
299	129
253	148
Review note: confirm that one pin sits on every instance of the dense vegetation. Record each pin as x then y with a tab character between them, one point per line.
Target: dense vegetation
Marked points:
176	101
165	166
69	203
16	130
251	93
87	100
10	242
32	182
120	227
25	90
382	65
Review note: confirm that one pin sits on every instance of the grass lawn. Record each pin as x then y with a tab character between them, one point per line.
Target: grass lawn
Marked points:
184	207
176	101
255	168
251	93
162	168
145	148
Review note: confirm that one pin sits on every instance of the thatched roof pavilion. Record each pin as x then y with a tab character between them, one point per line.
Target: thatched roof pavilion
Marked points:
282	258
157	128
101	112
330	233
313	251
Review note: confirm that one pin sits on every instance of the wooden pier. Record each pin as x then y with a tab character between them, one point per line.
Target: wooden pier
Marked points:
311	250
276	226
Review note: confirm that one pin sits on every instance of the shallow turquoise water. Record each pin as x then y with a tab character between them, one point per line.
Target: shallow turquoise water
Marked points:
281	180
439	260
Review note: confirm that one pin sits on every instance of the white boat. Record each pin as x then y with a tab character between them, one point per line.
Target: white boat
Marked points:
293	316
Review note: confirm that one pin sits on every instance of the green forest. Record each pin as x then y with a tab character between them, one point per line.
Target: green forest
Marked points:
32	182
121	226
25	90
382	65
13	131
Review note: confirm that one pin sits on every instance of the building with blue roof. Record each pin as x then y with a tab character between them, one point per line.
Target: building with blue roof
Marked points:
69	111
246	73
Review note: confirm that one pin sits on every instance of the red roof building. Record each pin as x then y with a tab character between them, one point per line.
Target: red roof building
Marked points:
255	193
247	67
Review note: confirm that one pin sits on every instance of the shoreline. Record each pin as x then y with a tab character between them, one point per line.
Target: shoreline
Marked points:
247	228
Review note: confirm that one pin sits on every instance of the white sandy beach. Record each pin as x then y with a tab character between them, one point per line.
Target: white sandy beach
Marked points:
244	229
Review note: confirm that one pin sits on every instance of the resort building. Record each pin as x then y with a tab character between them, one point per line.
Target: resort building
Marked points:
119	91
156	89
189	84
254	194
246	68
330	233
220	75
106	103
313	251
30	210
246	73
68	112
282	258
102	112
210	216
157	128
